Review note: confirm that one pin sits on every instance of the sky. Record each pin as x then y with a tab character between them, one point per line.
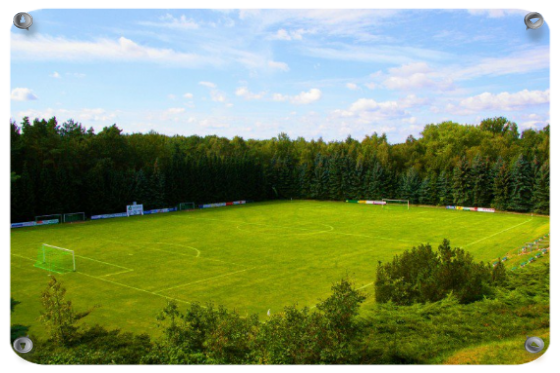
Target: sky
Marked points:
256	73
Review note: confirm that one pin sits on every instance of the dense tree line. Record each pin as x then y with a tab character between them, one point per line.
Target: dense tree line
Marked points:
68	168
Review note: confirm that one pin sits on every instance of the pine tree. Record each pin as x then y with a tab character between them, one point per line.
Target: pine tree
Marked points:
541	190
461	187
48	196
142	189
428	191
444	190
501	185
521	186
158	187
481	183
410	185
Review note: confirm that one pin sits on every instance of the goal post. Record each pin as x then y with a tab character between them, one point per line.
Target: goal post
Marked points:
73	216
185	206
49	217
56	259
390	203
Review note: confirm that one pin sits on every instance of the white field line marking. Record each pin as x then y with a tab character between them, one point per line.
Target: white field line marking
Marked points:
206	279
117	273
312	231
179	245
174	252
329	231
365	286
134	288
495	234
102	262
24	257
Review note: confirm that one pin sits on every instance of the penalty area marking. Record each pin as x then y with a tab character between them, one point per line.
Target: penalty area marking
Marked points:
500	232
135	288
206	279
161	243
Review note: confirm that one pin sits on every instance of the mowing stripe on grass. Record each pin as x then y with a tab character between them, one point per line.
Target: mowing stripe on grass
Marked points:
495	234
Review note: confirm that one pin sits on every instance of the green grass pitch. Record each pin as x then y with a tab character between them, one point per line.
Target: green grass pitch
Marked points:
251	257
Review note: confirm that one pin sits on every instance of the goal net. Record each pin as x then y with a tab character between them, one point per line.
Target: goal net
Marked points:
56	259
49	217
185	206
396	203
73	216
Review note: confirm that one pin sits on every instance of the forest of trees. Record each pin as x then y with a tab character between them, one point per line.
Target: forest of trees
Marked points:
68	168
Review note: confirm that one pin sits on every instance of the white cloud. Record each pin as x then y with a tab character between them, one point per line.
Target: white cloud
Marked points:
504	101
218	96
55	75
85	115
278	65
215	94
248	95
367	110
498	11
176	110
44	47
415	76
282	34
208	84
188	95
302	98
23	94
171	96
352	86
516	63
169	21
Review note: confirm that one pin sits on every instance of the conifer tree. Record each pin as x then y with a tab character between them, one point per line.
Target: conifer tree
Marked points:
521	185
444	190
481	187
501	185
541	190
461	187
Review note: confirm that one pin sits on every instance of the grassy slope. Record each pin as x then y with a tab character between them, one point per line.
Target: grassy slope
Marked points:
254	257
504	352
508	353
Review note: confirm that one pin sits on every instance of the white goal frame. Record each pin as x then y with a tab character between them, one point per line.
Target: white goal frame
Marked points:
388	201
73	213
62	249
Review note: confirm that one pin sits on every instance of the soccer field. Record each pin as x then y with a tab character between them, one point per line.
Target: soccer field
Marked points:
251	257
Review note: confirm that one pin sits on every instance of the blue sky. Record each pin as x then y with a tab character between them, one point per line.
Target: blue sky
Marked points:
309	73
